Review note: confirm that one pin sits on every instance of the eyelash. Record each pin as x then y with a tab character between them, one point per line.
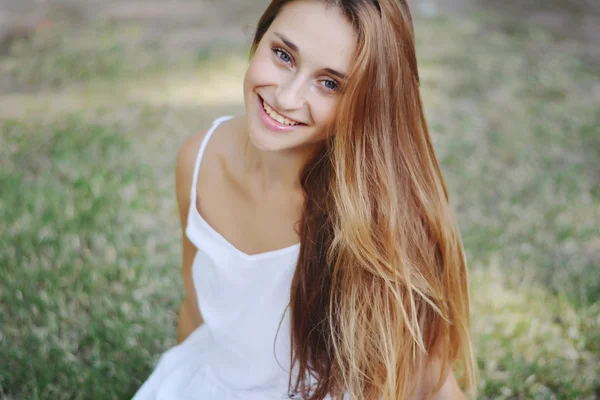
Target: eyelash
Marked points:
278	51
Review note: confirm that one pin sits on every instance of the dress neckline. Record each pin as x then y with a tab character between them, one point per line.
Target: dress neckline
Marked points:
212	231
242	254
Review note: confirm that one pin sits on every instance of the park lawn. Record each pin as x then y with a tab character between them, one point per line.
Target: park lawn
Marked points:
89	236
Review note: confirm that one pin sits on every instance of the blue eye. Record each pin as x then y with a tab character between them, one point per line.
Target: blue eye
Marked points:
330	84
283	56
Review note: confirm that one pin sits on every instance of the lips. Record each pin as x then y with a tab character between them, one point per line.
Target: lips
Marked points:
276	118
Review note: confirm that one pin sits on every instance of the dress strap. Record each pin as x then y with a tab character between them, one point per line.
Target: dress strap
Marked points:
214	126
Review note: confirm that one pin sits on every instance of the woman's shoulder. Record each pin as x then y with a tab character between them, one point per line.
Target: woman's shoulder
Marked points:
189	150
186	160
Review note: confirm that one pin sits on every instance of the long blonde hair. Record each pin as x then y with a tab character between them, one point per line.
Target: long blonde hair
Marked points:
380	288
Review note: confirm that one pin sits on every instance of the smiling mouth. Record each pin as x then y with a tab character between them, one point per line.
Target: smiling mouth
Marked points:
277	117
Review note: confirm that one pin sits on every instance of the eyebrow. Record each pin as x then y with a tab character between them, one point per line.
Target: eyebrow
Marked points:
336	73
292	46
287	42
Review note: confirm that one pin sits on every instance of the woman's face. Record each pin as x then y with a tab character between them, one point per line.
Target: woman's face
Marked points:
292	86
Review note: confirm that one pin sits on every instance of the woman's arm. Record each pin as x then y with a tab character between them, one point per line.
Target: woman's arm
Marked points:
189	314
189	319
450	390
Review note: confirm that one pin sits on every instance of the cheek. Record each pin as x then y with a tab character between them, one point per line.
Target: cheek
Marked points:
250	78
325	111
261	71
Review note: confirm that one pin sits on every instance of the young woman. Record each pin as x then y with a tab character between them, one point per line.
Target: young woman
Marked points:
320	256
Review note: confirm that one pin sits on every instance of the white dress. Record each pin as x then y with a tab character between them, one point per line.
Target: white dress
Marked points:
242	351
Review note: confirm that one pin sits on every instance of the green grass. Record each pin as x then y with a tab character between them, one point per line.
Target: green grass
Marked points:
517	134
74	300
89	239
104	51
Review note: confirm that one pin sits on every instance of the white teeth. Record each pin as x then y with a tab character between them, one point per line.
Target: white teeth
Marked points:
277	117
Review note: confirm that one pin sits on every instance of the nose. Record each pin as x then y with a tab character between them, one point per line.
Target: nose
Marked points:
291	95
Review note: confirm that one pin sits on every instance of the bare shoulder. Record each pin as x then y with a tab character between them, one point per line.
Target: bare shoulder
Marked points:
184	165
188	154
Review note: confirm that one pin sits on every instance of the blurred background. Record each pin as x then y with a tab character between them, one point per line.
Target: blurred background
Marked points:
97	95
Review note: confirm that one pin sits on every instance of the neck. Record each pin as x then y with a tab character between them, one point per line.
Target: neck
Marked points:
276	170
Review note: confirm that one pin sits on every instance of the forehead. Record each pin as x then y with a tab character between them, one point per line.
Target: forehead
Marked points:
324	37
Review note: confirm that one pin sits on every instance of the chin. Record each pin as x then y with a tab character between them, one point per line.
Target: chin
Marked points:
264	140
